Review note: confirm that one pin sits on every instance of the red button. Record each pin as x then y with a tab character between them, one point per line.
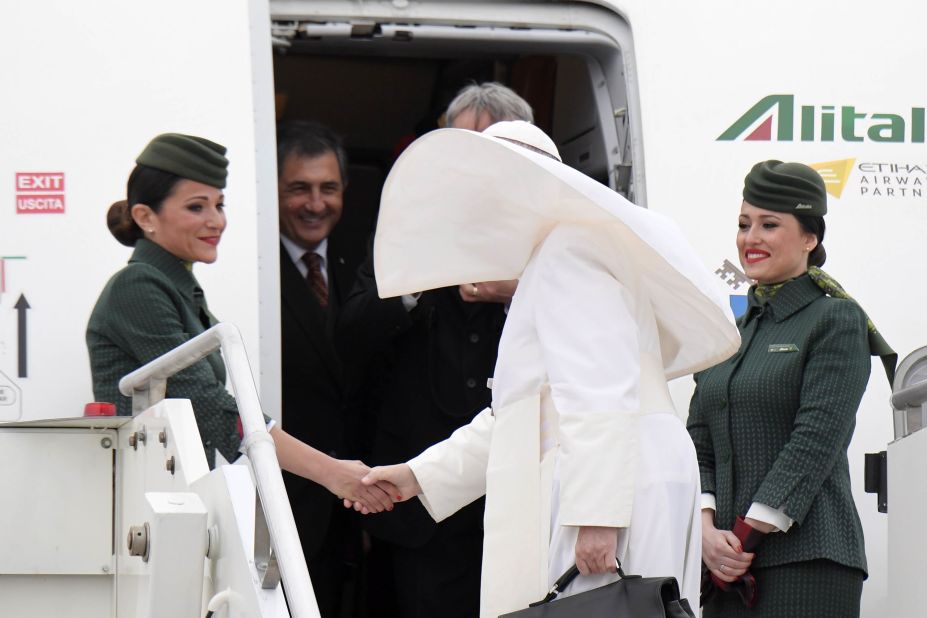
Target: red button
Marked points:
100	408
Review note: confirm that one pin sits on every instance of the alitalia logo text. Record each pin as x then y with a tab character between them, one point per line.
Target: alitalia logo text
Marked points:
777	118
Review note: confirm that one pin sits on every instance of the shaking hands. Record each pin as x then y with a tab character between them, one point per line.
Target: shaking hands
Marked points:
394	483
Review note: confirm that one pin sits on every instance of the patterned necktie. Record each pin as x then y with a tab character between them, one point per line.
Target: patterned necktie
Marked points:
314	277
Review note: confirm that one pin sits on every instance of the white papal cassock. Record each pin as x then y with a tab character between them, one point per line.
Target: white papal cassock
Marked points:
582	430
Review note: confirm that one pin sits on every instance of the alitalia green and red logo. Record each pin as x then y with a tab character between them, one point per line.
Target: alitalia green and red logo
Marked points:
777	118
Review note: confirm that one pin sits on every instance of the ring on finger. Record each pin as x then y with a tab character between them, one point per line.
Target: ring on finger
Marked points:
722	567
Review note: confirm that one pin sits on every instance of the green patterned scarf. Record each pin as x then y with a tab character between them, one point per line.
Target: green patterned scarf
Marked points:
764	291
877	344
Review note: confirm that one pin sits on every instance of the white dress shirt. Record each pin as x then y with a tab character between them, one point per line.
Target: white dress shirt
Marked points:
758	511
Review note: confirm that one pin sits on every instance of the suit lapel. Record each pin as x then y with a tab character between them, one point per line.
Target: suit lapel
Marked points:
299	300
339	282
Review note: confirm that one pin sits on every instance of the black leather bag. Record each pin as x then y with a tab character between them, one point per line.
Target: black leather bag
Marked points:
632	596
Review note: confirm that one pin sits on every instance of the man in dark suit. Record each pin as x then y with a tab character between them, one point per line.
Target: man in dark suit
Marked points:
429	357
313	281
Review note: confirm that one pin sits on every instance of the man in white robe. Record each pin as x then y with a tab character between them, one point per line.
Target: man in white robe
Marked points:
581	456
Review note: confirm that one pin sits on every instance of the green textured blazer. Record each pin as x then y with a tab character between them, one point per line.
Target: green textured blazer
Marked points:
146	309
772	424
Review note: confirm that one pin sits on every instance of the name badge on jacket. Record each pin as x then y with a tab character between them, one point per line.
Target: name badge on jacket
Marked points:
783	347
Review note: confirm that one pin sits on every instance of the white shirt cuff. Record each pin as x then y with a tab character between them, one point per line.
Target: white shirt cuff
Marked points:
708	502
769	515
410	301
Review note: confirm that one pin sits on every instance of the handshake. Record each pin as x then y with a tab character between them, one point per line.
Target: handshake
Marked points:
371	490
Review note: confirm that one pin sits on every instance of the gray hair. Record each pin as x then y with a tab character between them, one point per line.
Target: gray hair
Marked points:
500	102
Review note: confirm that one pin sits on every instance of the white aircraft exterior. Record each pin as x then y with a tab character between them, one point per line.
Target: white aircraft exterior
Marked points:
668	102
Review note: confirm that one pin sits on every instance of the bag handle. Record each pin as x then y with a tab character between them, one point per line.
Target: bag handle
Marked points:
564	580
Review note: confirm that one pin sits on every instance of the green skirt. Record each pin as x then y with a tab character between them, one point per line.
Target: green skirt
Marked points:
813	589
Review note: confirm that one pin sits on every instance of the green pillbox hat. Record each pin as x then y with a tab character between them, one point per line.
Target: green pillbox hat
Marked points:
187	156
786	187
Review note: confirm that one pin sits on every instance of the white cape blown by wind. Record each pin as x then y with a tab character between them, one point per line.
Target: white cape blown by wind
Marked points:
461	207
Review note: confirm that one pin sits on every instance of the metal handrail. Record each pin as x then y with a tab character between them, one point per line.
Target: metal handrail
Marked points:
147	385
909	397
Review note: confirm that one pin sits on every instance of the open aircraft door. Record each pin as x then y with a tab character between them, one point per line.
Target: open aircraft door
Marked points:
87	84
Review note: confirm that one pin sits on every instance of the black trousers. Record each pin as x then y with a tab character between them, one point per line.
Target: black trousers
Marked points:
440	578
334	569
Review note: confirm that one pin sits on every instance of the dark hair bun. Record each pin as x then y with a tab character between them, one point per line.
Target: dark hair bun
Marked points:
121	224
818	256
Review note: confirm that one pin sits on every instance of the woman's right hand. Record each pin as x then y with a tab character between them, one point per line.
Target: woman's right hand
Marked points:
722	552
345	481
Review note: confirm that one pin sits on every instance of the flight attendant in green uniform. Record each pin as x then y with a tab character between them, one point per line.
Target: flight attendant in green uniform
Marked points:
174	217
771	425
